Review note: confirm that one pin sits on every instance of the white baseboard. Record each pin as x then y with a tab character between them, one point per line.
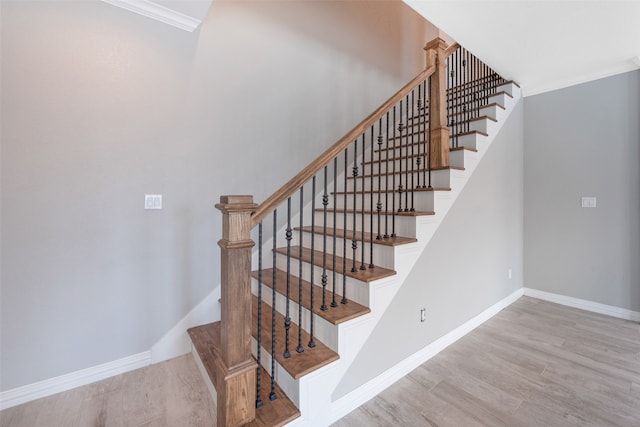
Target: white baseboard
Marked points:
176	341
369	390
66	382
173	344
596	307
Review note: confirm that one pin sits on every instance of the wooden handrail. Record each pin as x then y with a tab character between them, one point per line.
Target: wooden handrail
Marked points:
282	194
449	51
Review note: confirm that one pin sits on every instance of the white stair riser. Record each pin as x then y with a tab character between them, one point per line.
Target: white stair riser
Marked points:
439	178
405	226
356	290
287	383
383	255
422	201
324	331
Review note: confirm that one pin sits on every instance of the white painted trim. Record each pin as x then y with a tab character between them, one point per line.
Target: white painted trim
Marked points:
158	12
176	341
66	382
372	388
595	307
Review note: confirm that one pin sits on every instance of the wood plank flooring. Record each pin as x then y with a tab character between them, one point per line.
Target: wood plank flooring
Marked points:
533	364
166	394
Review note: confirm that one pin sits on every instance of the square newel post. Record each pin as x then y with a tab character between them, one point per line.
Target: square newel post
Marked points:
237	376
438	103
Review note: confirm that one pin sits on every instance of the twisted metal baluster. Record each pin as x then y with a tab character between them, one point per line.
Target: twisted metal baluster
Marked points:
325	202
400	129
344	223
312	343
272	394
300	349
335	232
287	318
406	160
259	402
386	182
354	172
379	204
364	246
413	133
370	204
393	180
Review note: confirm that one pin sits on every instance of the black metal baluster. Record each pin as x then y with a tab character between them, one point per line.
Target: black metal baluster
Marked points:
420	131
451	97
370	202
407	157
287	318
400	129
393	179
362	226
335	232
429	133
344	223
386	181
300	349
259	344
413	133
312	343
379	204
272	394
325	202
424	133
354	172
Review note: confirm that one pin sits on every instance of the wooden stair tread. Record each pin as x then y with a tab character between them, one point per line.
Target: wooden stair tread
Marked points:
206	341
299	364
334	315
368	237
403	213
367	275
462	147
415	190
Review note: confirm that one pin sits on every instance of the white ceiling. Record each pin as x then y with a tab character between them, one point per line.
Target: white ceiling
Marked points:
543	45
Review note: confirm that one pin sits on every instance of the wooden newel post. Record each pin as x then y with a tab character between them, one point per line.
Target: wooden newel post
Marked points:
438	103
237	383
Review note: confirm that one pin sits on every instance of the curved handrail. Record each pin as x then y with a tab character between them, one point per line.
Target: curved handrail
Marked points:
282	194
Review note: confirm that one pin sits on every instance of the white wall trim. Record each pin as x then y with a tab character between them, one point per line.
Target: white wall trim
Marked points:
158	12
369	390
176	341
596	307
66	382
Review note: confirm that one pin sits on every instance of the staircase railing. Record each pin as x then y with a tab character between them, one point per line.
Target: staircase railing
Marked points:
369	177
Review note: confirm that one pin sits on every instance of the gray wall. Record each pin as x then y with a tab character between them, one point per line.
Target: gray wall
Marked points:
584	141
100	106
464	269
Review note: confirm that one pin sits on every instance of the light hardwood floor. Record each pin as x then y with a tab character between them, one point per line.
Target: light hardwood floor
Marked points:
533	364
167	394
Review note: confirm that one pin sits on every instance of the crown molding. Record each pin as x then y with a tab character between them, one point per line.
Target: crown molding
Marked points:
158	12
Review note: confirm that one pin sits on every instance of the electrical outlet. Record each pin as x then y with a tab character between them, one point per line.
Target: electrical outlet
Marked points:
423	314
510	273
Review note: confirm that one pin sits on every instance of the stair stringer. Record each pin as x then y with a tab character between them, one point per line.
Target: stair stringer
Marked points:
313	392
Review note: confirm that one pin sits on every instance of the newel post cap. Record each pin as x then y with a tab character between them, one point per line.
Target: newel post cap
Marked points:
236	203
436	43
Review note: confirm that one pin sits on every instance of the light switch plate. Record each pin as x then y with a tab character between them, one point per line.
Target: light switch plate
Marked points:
152	201
588	202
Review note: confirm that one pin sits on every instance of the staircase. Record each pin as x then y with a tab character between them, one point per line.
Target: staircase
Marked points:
334	245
